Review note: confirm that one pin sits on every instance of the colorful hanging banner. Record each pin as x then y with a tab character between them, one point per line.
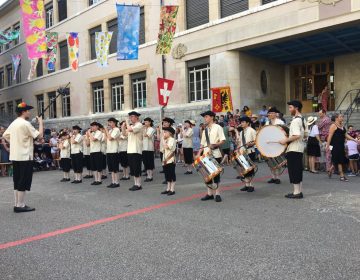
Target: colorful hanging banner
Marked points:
7	36
33	65
51	43
164	90
167	29
221	99
102	43
33	16
73	48
16	58
128	32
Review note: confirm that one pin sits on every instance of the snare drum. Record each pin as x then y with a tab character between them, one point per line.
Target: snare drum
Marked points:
243	163
207	167
277	164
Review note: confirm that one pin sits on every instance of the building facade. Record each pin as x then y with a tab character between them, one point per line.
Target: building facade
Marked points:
267	51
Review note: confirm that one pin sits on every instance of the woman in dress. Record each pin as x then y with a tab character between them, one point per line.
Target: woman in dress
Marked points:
196	137
324	97
5	150
336	143
313	143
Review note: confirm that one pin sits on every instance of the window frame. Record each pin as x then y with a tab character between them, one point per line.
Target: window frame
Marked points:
49	21
52	105
92	37
40	104
64	45
118	97
110	27
10	77
98	95
66	104
10	108
138	89
193	70
16	27
2	79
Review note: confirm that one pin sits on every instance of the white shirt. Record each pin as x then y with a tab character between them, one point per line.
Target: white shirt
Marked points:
296	128
250	136
86	148
216	135
135	138
54	141
123	143
171	143
352	147
187	138
148	139
314	131
65	151
275	122
95	146
112	146
77	147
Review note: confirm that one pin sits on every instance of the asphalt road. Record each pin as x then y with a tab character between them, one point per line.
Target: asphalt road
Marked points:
145	235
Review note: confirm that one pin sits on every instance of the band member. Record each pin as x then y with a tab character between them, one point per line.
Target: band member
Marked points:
212	138
187	134
96	156
65	160
273	119
123	143
112	136
103	152
134	149
246	142
21	134
148	148
86	153
169	153
295	149
76	142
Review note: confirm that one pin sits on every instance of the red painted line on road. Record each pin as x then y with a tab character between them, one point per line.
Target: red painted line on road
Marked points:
113	218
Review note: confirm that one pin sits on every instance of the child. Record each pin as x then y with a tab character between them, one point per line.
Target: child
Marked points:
65	160
353	155
169	153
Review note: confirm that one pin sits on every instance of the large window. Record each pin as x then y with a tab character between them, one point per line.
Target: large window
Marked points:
142	26
52	102
2	79
62	7
16	27
2	109
117	94
231	7
92	40
199	79
138	81
40	104
39	68
18	74
64	55
65	100
98	97
197	13
10	108
9	73
113	26
49	15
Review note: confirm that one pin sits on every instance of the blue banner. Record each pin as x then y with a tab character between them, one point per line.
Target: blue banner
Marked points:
128	32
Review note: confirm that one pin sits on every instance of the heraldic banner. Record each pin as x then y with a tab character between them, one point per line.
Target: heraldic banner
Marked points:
221	99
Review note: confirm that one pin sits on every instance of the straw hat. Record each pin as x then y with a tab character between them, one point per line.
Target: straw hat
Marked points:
311	120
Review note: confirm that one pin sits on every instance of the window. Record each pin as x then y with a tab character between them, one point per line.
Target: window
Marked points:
98	97
231	7
2	79
9	73
2	109
39	68
7	46
92	2
117	94
10	108
40	104
139	89
92	40
199	79
64	55
267	1
65	100
197	13
16	27
62	7
142	26
49	15
1	48
113	26
52	103
18	74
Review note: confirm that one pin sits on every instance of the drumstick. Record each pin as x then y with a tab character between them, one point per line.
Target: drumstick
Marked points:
272	142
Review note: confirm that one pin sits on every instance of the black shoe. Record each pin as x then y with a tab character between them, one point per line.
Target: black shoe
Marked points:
103	177
250	189
110	186
171	193
165	192
87	176
294	196
77	181
244	189
188	172
97	183
162	171
164	182
239	177
74	182
148	179
125	178
218	198
113	186
207	197
277	181
135	188
64	180
23	209
271	181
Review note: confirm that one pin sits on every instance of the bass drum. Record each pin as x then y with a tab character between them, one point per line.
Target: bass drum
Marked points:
267	141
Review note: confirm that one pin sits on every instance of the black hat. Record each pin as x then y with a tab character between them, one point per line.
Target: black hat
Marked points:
296	103
148	120
169	120
273	110
133	113
113	120
170	129
77	127
188	121
63	133
95	123
245	119
23	107
100	125
208	113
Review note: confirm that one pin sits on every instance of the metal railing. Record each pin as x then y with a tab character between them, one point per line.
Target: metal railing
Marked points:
352	97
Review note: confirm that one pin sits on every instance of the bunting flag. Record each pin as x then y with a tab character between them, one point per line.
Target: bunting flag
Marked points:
33	65
33	17
73	48
128	32
52	48
221	99
7	36
167	29
16	58
102	43
164	90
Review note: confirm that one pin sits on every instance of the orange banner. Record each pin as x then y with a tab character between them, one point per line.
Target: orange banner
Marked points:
221	100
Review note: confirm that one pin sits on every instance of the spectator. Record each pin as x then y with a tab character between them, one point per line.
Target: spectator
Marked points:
313	143
353	155
247	111
351	131
39	163
196	137
255	124
263	115
54	148
4	150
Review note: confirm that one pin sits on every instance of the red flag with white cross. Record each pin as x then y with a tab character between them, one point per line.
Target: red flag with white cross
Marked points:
164	90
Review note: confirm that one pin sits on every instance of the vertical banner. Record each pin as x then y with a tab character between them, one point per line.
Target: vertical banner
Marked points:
16	58
52	47
73	48
167	29
33	65
221	99
33	16
102	43
164	90
128	32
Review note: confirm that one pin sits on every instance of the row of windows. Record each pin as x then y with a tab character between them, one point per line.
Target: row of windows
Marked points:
7	76
65	104
8	108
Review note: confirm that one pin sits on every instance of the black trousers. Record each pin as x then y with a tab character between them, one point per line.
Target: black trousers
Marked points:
169	170
295	167
135	164
77	162
22	176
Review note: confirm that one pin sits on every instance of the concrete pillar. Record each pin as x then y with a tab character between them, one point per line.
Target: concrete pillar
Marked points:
181	17
107	96
254	3
214	10
225	71
127	92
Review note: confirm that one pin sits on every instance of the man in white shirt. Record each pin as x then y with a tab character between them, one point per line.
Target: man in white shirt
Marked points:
123	157
187	145
21	134
148	148
112	146
76	153
96	156
134	150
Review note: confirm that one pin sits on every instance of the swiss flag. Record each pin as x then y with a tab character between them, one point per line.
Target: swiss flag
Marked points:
164	89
